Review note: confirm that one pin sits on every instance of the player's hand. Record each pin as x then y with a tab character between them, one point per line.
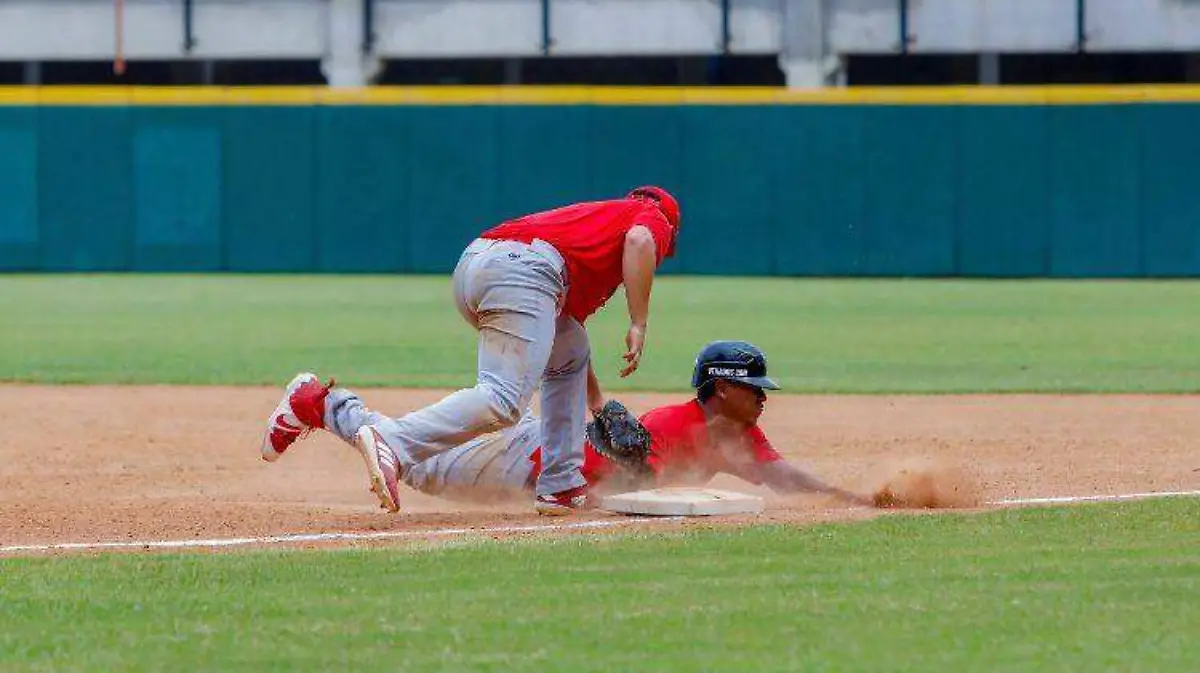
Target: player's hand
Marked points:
635	341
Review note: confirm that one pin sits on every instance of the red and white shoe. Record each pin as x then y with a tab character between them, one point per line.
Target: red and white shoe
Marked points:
564	502
383	466
301	410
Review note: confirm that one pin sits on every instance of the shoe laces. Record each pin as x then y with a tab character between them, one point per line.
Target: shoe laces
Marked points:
287	431
323	391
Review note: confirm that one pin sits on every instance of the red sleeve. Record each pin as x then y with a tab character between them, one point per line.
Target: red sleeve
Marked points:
652	219
761	453
761	446
659	449
667	429
596	467
655	462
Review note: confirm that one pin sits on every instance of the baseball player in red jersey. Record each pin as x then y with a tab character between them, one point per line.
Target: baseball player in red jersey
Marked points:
716	432
528	287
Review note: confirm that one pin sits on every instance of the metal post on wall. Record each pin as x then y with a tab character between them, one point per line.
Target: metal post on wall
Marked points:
1080	25
726	25
189	34
547	38
368	27
989	68
904	36
32	73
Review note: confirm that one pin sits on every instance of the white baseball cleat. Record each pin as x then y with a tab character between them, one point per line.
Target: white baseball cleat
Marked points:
383	466
297	414
564	503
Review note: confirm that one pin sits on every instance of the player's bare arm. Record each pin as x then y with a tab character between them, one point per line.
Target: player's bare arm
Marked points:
638	264
784	477
595	396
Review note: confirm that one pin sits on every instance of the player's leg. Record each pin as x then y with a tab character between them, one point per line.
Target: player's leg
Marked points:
342	412
561	486
511	293
516	332
345	413
309	405
488	468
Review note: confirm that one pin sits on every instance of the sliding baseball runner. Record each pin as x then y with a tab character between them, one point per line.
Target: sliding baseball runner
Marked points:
688	443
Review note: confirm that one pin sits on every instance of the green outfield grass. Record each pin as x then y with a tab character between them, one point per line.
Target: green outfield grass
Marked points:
1091	588
820	335
1088	588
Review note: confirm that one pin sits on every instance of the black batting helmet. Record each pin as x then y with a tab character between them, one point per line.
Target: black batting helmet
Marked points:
733	361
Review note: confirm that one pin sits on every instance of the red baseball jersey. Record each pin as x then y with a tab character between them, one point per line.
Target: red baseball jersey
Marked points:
591	238
682	452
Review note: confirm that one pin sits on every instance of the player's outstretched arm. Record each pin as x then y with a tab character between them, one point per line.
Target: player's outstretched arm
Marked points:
638	262
783	477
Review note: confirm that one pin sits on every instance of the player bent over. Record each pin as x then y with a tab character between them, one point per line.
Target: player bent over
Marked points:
527	287
689	443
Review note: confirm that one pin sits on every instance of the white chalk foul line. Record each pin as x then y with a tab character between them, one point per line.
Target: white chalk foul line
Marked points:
443	532
1094	498
326	537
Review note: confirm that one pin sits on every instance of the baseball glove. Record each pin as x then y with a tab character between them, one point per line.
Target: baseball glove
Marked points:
619	436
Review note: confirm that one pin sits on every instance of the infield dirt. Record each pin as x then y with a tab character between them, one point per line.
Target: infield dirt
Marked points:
118	463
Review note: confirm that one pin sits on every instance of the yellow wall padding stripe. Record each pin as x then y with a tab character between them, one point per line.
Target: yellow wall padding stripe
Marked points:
583	95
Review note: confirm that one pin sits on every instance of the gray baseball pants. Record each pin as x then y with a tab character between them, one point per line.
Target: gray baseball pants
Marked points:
511	293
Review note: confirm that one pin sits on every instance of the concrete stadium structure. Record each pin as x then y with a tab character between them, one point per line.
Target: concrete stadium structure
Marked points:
811	38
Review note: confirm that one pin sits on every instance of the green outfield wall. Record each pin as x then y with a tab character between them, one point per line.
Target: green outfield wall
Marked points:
1024	182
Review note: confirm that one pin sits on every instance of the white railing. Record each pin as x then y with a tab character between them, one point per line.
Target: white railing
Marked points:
804	30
